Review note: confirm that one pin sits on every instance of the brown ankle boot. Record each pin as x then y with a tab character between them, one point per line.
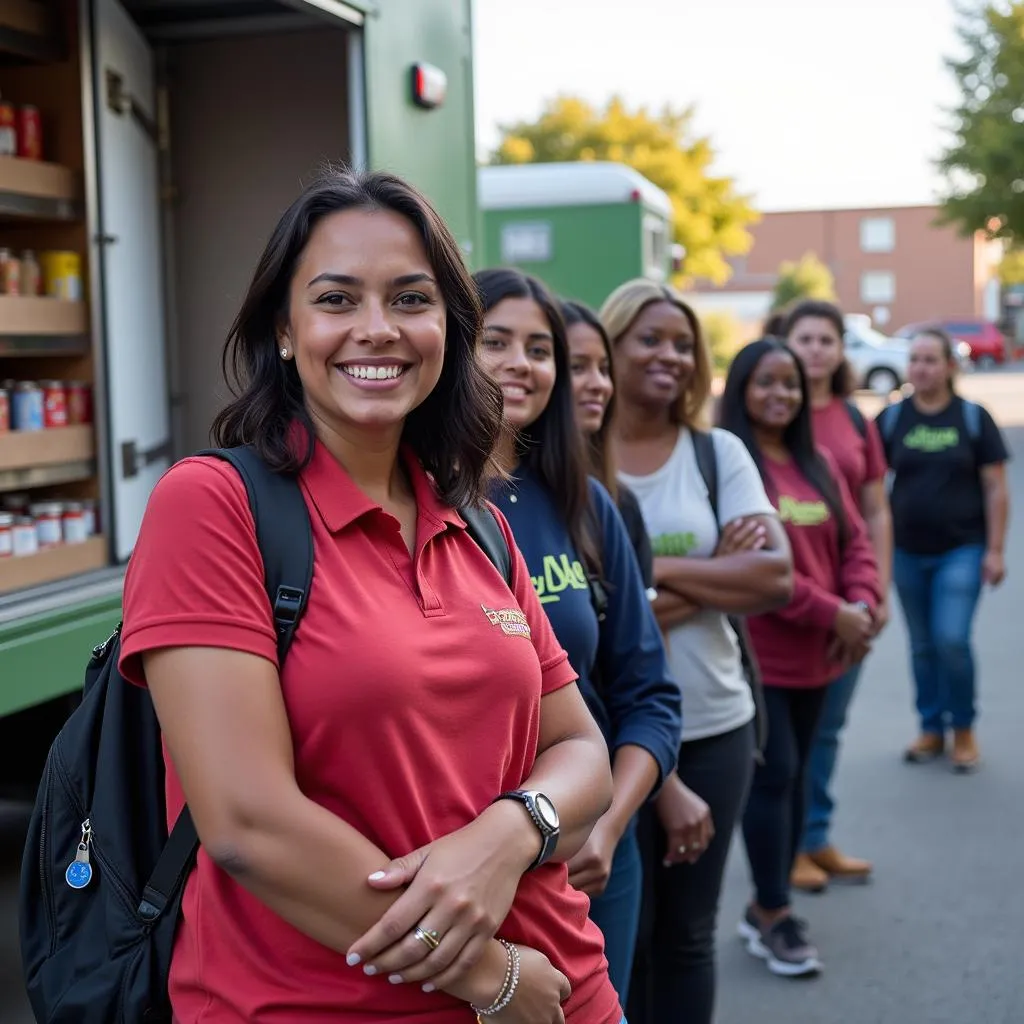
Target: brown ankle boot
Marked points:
839	867
807	876
965	751
927	747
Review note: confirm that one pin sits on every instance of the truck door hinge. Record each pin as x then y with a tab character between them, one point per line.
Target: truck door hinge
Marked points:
121	102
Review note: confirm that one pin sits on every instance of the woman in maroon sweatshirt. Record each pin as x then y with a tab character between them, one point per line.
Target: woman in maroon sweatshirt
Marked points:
826	628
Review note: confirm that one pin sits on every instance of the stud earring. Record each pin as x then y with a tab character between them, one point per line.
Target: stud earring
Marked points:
284	353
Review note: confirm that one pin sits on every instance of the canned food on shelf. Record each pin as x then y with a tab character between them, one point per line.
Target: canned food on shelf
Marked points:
55	404
5	410
8	129
10	273
73	523
90	517
6	534
62	275
79	402
31	275
24	539
48	516
29	131
27	406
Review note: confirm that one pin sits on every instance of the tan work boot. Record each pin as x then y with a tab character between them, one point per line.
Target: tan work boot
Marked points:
839	867
927	747
965	751
807	876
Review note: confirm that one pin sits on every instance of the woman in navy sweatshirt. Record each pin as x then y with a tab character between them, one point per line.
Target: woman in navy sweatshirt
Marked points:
587	577
825	629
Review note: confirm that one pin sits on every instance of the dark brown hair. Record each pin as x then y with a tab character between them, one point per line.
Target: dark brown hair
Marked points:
843	380
946	341
602	461
552	447
452	432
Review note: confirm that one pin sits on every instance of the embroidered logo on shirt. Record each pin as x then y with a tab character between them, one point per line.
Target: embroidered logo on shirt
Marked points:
932	439
802	513
559	574
511	620
673	545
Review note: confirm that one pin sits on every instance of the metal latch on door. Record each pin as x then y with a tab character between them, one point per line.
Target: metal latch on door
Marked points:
121	102
133	460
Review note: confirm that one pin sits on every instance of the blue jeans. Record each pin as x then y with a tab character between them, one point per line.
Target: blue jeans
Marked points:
939	594
617	911
822	764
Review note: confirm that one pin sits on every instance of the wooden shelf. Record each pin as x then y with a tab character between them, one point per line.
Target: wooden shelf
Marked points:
27	16
36	315
38	190
26	33
24	345
52	564
28	478
24	449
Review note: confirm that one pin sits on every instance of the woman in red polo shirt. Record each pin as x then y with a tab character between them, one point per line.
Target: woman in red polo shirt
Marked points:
801	648
405	708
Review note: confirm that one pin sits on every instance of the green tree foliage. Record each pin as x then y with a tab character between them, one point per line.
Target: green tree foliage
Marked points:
805	278
984	164
711	219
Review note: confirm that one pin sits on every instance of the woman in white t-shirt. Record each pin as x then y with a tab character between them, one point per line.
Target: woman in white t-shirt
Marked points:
705	569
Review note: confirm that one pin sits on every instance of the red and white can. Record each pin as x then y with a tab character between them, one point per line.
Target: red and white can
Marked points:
30	133
55	404
5	410
8	129
79	402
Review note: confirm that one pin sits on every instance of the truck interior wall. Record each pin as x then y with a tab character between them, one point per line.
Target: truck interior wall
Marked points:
252	119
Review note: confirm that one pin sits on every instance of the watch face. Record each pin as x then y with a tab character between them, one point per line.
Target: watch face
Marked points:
546	810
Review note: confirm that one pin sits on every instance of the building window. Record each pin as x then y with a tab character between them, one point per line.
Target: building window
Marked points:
877	286
877	234
655	243
526	242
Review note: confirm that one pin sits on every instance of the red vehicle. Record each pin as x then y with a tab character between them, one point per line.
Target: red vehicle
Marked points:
986	341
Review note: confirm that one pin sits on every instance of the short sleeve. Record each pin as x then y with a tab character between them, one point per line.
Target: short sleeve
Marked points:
556	671
875	466
991	448
195	578
740	488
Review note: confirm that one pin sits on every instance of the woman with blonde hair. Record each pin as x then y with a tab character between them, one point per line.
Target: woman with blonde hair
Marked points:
719	552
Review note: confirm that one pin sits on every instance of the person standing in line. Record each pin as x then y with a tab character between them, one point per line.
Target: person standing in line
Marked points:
814	331
705	569
588	580
951	508
803	647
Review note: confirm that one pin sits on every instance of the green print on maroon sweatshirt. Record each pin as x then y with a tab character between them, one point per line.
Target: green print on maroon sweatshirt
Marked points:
560	574
931	439
802	513
673	545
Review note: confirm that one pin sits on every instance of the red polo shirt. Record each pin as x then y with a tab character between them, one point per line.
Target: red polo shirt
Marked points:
411	703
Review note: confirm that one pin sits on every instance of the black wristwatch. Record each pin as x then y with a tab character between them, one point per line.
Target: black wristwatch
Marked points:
543	814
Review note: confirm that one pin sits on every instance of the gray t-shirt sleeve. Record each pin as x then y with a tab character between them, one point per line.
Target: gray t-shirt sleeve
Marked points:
740	489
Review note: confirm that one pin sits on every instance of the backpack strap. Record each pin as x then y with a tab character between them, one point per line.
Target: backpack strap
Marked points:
707	465
972	418
888	420
484	529
285	539
857	418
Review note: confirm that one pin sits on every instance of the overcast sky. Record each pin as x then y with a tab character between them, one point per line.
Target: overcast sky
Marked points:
808	102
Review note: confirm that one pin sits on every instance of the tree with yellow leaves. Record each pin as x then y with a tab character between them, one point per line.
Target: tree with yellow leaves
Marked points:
711	219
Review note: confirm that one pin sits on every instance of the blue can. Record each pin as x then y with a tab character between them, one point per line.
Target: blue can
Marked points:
27	407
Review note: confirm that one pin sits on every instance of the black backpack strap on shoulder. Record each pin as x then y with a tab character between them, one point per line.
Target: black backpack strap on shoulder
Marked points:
485	531
283	533
857	418
888	420
707	465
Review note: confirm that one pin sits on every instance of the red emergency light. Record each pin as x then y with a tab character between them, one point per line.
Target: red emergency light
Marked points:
429	86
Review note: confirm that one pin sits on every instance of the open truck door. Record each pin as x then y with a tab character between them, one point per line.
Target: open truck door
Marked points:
128	244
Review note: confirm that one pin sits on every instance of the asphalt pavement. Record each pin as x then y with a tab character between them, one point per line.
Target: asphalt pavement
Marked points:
936	938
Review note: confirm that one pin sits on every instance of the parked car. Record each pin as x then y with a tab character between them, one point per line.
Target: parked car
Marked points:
879	362
985	342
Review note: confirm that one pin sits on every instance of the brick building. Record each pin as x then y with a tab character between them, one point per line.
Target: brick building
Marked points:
893	264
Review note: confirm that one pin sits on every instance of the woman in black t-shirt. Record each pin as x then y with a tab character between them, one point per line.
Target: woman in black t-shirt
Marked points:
950	508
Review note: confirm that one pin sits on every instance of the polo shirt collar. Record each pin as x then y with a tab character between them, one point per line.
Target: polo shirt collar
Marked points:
340	502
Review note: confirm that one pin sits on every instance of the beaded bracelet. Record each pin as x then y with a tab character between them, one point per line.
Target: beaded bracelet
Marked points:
508	986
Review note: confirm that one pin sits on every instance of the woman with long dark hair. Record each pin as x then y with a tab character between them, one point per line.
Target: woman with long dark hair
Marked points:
815	331
951	508
717	553
386	816
803	647
588	580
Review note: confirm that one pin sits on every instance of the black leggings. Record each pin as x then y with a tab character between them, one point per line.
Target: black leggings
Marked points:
674	967
774	819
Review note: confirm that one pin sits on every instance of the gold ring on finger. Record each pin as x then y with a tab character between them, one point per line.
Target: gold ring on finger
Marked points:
428	937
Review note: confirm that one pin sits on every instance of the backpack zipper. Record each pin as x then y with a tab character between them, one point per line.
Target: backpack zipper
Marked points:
44	874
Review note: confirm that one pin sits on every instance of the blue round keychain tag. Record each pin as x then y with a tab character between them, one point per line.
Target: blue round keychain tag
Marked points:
79	872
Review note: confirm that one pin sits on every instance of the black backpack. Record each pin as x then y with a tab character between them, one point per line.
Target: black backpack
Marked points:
707	464
101	880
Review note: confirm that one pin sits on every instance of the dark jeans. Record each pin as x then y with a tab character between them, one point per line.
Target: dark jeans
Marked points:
674	966
774	819
617	911
939	594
